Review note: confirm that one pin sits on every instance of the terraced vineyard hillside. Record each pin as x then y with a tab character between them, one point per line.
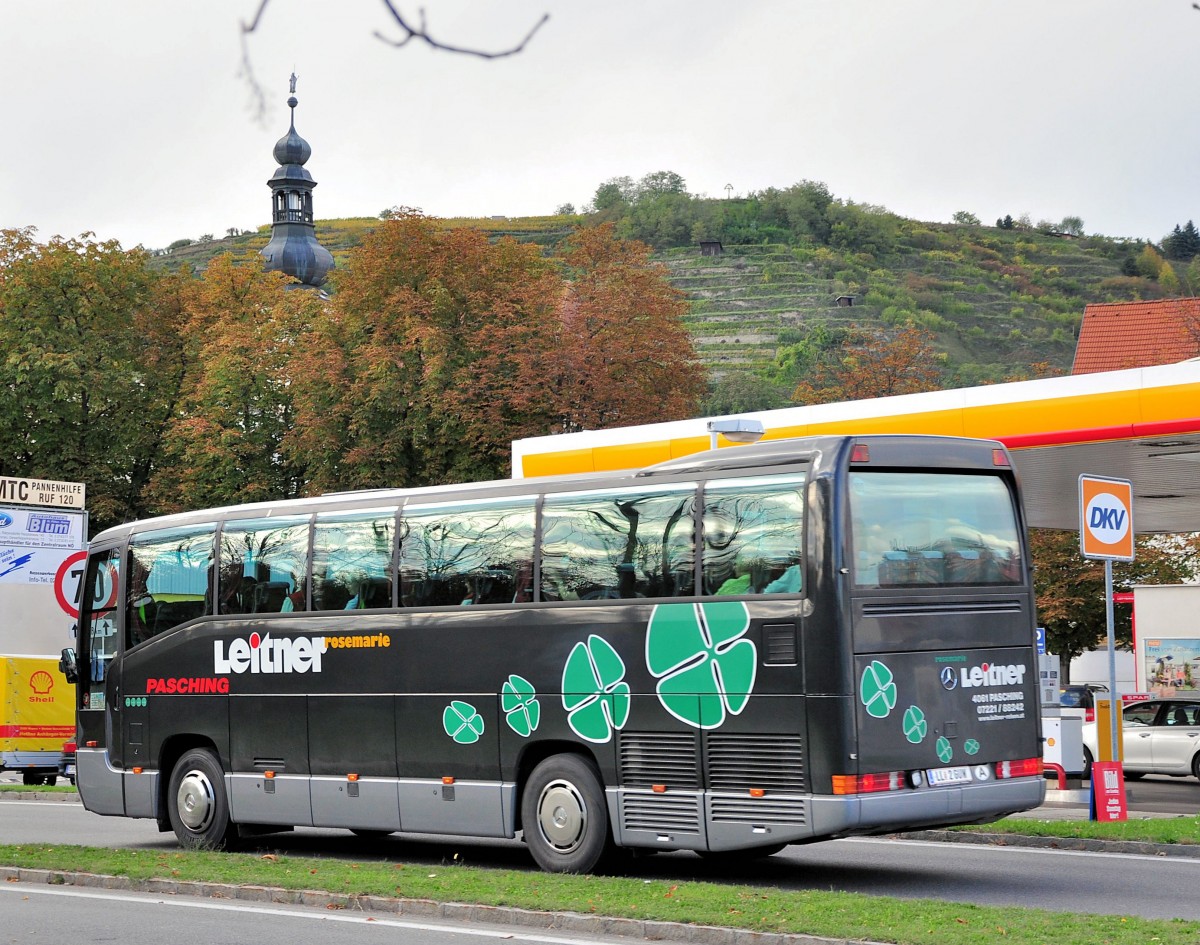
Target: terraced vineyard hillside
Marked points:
998	301
992	312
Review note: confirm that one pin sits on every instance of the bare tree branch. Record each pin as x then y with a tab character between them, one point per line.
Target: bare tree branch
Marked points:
258	99
421	33
251	27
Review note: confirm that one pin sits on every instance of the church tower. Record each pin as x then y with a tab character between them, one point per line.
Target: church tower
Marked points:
293	248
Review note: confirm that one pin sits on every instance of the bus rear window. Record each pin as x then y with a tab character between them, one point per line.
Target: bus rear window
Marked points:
933	529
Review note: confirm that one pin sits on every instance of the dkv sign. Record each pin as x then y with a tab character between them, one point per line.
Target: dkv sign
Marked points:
1106	518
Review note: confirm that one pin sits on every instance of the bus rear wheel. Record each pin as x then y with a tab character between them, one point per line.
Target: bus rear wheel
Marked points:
197	803
564	815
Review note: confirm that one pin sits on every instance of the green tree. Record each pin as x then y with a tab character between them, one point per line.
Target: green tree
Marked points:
662	221
742	392
806	208
1070	588
1167	279
89	370
1189	245
965	218
614	194
862	228
1072	226
658	183
1149	263
224	443
1182	242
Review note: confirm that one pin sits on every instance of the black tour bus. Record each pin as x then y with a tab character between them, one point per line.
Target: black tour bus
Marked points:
727	653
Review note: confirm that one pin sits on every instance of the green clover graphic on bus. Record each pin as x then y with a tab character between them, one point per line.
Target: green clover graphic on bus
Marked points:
594	691
462	722
703	666
945	751
877	690
915	725
522	711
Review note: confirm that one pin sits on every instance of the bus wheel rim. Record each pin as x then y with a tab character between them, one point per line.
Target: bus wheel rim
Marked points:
562	816
195	801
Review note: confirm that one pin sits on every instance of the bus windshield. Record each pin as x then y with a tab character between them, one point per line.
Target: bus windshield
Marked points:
934	529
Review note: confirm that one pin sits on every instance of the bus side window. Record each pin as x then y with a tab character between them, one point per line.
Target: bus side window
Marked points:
618	544
263	565
753	535
168	580
467	554
352	560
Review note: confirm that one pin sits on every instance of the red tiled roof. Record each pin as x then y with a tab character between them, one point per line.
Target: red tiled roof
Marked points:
1122	335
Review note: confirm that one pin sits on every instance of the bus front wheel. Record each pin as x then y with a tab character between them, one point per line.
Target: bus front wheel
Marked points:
197	803
564	816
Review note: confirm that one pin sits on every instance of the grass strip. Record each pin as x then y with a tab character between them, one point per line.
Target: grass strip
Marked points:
39	788
811	912
1176	830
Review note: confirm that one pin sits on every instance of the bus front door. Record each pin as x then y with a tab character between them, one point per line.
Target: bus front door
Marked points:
100	786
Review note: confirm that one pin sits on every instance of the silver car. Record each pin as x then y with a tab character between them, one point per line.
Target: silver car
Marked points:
1160	736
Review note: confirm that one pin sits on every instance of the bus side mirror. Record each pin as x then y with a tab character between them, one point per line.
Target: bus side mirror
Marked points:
66	665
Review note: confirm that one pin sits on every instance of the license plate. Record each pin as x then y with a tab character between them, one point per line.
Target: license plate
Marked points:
70	771
959	775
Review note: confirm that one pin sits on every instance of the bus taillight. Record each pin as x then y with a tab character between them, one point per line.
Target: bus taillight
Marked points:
868	783
1000	458
860	453
1025	768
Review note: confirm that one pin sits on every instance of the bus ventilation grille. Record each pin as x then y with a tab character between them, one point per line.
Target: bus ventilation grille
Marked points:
766	810
774	763
674	813
779	644
668	758
933	607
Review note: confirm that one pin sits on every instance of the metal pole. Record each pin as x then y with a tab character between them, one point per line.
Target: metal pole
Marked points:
1113	701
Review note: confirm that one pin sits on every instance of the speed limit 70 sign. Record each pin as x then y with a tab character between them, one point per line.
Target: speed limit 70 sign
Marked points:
1106	518
67	583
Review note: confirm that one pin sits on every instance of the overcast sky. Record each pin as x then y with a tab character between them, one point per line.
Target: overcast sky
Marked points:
130	118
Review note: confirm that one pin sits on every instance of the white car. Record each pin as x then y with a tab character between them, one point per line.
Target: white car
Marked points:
1160	736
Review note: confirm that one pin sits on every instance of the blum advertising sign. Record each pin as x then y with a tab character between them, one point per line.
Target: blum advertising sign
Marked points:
1106	518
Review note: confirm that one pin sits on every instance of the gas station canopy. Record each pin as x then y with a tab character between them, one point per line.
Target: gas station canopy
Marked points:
1141	424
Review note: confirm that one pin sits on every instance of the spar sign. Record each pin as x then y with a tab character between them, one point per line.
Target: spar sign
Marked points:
1106	518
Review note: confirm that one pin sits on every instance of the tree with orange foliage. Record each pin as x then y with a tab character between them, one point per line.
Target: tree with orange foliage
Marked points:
433	354
858	364
625	355
439	348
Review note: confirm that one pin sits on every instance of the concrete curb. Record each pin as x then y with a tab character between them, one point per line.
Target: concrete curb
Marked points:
35	795
573	922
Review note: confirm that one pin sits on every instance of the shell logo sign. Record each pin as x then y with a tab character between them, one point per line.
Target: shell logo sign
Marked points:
1106	518
41	682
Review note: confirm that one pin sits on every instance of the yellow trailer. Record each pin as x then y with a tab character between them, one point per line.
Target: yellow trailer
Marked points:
37	714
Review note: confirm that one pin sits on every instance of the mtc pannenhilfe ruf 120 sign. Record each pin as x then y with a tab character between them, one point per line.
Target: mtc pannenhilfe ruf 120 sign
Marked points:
1106	518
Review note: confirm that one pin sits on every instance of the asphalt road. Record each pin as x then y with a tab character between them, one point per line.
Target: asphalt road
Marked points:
1002	875
33	915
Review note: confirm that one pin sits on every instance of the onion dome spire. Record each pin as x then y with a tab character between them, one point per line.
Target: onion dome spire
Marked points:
293	248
